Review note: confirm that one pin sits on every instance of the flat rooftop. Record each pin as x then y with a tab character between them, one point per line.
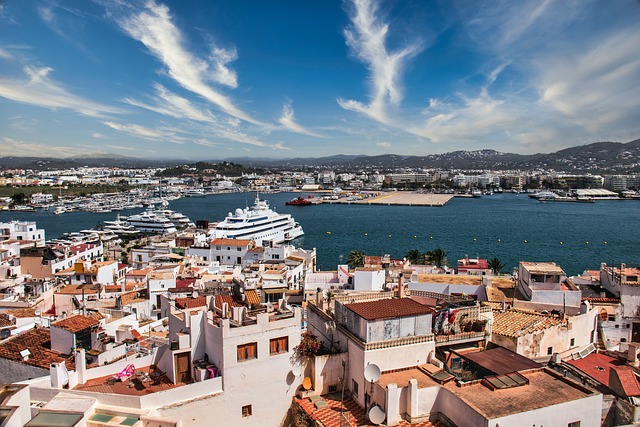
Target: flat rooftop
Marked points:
545	388
146	380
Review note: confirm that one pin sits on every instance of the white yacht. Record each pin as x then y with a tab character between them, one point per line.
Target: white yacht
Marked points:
120	227
259	223
178	219
151	222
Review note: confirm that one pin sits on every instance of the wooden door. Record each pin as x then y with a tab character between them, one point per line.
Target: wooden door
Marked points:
183	367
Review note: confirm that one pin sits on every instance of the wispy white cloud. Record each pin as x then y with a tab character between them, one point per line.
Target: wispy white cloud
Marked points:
40	90
207	143
171	104
599	87
289	122
63	27
13	147
145	132
4	54
280	146
154	27
384	144
367	40
120	147
98	135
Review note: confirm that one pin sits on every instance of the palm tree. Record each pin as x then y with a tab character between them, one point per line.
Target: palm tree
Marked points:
414	256
437	257
495	265
355	259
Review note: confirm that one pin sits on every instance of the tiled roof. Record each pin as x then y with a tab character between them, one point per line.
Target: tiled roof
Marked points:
76	323
230	242
22	312
78	289
597	366
185	283
628	380
219	299
183	303
388	308
252	297
4	322
516	323
38	342
127	297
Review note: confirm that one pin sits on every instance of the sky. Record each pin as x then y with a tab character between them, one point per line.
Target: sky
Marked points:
222	79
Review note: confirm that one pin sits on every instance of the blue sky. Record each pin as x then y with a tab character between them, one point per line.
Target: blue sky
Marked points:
216	79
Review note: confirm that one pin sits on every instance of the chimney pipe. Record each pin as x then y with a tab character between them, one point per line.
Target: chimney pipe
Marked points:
400	286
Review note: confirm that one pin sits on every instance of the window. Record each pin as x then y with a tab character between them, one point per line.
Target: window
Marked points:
354	387
574	424
246	411
279	345
333	388
611	318
573	342
248	351
239	249
549	350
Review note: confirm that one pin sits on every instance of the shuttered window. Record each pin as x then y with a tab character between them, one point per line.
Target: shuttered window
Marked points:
247	351
279	345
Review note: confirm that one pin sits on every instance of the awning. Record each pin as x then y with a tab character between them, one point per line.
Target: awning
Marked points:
275	291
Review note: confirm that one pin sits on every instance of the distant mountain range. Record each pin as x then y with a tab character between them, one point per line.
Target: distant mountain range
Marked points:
599	157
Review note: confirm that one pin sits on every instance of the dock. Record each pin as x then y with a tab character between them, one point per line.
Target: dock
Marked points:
399	198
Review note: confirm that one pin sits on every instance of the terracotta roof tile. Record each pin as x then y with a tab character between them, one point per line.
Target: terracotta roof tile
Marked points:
127	297
183	303
38	342
76	323
252	296
22	312
230	242
219	299
597	366
516	323
185	283
628	380
388	308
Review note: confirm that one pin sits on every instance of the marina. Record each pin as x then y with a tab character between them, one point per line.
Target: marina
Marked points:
511	227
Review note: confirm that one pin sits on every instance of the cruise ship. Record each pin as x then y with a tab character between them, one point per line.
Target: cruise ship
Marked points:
259	223
151	222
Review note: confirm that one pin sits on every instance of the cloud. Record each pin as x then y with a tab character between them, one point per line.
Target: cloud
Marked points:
280	146
4	54
207	143
384	144
154	28
13	147
38	89
288	121
170	104
367	40
147	133
121	147
61	26
597	88
98	135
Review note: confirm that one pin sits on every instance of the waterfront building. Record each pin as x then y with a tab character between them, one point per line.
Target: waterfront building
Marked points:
476	266
546	284
26	232
222	359
43	263
395	370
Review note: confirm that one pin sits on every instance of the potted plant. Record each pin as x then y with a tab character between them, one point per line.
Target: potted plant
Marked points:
479	325
466	325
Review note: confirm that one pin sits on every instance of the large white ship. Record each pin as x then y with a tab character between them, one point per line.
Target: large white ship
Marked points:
150	222
259	223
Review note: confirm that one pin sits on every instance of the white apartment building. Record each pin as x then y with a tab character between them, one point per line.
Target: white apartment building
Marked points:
26	232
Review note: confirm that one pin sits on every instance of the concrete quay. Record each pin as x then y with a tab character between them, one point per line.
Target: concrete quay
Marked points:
399	198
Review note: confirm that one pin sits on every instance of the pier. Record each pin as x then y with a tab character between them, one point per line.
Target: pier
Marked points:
399	198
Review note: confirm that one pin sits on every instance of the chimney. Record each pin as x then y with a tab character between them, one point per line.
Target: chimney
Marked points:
401	285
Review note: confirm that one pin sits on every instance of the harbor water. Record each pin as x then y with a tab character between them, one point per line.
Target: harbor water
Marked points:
511	227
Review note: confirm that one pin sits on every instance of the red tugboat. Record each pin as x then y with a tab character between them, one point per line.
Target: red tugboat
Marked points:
300	201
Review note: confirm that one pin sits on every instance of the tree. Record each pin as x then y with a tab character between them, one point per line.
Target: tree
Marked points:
437	257
355	259
415	256
495	265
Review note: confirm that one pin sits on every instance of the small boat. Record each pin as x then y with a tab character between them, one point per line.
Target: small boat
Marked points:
300	201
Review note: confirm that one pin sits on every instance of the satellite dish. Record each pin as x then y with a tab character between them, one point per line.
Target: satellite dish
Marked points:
376	415
194	294
372	373
296	370
306	383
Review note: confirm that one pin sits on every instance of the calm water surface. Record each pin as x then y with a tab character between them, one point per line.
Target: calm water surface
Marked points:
510	227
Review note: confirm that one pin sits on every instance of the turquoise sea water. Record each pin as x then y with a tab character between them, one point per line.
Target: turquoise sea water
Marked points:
510	227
